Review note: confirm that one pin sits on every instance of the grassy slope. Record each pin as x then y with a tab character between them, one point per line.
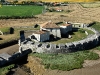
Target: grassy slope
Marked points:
20	10
96	26
5	70
66	61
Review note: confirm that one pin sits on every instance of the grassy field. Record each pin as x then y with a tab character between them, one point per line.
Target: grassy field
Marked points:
66	61
20	10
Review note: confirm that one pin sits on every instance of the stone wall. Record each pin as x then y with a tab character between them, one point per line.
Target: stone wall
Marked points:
87	43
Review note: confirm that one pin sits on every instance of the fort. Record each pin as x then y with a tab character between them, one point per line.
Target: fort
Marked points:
89	42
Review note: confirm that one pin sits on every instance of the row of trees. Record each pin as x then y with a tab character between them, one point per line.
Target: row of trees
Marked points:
32	3
17	2
16	17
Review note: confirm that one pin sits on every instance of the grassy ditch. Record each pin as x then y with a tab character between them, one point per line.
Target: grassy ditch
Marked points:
5	70
68	61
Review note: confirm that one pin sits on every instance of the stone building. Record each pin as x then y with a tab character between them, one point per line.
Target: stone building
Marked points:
41	35
65	28
52	28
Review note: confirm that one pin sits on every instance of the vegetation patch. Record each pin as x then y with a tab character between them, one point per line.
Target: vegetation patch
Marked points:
96	26
68	61
14	12
90	4
5	30
5	70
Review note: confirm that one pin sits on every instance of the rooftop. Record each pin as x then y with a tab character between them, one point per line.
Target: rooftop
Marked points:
40	32
49	25
66	24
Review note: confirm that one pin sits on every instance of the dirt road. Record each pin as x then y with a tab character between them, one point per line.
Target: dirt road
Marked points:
10	50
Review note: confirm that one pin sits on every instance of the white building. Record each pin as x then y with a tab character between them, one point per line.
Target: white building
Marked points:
49	30
65	28
52	28
41	35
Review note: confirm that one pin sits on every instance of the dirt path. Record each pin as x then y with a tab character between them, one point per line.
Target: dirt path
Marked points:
10	50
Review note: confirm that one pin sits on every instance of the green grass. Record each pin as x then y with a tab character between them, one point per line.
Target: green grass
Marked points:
76	36
96	26
5	70
5	29
68	61
24	10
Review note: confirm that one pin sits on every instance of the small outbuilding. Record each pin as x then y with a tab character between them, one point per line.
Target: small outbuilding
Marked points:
41	35
65	27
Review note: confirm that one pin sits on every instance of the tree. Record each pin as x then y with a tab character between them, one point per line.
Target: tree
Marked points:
2	1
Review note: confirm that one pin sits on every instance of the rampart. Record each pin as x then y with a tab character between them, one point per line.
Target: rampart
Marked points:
89	42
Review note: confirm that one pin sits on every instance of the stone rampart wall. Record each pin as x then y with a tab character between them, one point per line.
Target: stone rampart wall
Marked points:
87	43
